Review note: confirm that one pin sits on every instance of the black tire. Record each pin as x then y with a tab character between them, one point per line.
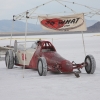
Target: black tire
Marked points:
9	59
90	64
42	66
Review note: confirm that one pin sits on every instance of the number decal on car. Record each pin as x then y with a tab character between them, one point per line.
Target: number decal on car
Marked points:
23	57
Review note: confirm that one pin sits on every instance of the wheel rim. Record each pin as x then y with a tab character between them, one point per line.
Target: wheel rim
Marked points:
88	64
40	69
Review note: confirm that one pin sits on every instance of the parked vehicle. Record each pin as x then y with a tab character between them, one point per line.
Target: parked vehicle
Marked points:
43	57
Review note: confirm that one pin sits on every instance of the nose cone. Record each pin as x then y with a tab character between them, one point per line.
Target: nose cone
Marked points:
67	66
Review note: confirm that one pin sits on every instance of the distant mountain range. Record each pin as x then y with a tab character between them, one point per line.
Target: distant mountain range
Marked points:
94	28
19	26
90	22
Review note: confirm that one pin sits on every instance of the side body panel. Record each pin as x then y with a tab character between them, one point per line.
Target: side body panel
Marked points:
57	63
27	56
35	57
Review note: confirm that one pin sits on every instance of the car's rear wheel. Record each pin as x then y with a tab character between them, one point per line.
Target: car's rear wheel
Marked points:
90	64
9	59
42	66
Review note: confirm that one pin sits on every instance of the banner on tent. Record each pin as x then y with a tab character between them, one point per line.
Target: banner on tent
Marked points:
74	22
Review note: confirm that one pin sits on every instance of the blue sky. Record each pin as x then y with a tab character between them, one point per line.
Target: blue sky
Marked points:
8	8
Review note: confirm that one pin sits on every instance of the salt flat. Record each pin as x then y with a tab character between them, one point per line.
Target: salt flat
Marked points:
54	86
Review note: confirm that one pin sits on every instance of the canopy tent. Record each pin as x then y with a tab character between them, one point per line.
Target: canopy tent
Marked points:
31	14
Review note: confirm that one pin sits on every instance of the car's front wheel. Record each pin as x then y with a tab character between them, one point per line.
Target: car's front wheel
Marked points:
90	64
42	66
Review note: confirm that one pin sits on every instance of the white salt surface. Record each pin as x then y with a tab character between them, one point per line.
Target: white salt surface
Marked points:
55	86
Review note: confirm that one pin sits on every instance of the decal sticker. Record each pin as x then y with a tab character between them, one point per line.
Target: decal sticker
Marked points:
23	57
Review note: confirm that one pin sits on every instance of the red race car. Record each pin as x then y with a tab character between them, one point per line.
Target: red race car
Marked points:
42	56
